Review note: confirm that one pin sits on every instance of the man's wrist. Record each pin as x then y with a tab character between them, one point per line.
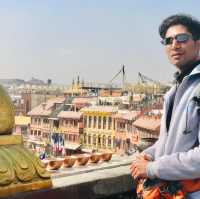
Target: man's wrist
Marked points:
151	170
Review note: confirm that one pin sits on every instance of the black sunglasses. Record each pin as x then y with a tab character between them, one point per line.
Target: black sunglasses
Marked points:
180	38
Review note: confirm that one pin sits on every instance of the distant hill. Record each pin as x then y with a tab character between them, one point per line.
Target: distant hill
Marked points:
12	81
35	81
32	81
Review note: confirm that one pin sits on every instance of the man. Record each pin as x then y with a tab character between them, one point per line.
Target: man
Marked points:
176	154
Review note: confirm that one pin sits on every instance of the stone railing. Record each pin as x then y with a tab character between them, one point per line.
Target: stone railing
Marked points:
105	180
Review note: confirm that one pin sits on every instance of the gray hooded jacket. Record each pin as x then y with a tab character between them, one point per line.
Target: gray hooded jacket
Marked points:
176	154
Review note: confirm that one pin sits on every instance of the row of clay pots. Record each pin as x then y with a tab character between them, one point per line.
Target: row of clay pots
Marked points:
81	159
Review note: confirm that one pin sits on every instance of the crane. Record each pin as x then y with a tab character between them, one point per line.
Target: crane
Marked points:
121	71
144	80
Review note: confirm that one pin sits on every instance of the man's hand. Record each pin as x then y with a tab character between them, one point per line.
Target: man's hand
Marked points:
139	166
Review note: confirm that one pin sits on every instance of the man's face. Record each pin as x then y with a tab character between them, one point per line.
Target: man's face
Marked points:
181	53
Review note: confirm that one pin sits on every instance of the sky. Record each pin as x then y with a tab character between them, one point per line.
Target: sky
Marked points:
62	39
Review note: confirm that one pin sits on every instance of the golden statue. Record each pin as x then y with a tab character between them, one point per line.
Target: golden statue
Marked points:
20	169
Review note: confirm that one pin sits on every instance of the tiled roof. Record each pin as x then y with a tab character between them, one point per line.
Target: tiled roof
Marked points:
22	120
69	114
149	123
100	109
45	109
127	115
82	100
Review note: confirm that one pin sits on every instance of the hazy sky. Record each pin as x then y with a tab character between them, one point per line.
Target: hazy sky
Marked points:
61	39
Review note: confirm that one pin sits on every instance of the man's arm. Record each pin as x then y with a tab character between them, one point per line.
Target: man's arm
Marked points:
177	166
140	161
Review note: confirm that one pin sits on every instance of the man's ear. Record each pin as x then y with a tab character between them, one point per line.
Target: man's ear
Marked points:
198	45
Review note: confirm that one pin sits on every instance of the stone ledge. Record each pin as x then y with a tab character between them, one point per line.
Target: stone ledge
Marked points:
95	184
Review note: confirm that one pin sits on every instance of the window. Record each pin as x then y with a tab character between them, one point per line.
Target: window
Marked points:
104	122
84	139
121	126
94	139
90	121
24	129
70	137
129	127
99	140
75	123
104	140
99	122
109	141
95	122
45	121
89	139
85	121
109	123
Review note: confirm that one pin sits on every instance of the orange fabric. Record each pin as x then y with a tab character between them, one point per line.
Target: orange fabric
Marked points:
151	193
178	195
154	192
190	185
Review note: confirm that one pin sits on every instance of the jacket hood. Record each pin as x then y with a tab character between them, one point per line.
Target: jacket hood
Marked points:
195	71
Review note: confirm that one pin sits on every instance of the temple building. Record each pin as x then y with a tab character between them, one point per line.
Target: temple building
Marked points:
75	89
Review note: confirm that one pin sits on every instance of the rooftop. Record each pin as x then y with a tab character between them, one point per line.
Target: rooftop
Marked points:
69	114
151	123
83	100
45	109
99	109
127	115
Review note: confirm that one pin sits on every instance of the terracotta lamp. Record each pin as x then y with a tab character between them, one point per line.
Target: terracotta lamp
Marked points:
106	156
20	169
95	157
55	163
83	159
69	161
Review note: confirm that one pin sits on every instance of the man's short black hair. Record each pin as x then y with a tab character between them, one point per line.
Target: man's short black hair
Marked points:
192	24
